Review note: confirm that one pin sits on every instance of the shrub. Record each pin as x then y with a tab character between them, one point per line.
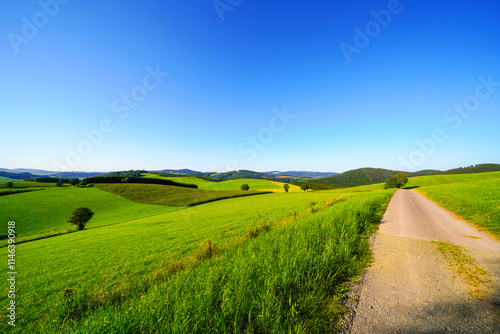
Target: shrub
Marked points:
74	182
397	181
245	187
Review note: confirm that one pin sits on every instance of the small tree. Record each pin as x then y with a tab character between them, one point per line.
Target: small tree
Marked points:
74	182
245	187
397	181
80	217
59	183
304	187
286	187
9	184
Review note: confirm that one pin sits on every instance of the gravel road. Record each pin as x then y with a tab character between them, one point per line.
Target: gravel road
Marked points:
412	287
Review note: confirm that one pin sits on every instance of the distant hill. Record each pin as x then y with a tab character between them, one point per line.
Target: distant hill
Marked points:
18	176
242	174
481	168
76	175
357	177
27	173
27	170
303	174
364	176
128	173
178	171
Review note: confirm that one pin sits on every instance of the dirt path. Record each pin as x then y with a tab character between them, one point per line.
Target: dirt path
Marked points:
415	285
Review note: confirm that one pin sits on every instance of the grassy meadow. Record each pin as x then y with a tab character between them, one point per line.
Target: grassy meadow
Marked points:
40	212
271	262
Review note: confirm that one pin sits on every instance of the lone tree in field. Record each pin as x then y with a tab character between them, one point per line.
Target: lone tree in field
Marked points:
74	182
304	187
245	187
80	217
9	184
59	183
397	181
286	187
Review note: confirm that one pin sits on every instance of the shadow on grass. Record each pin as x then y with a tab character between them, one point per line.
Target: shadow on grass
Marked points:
411	187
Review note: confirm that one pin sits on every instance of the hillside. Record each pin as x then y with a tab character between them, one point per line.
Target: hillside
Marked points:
242	174
301	174
357	177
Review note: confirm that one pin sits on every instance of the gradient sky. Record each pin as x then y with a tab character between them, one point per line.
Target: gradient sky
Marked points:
77	91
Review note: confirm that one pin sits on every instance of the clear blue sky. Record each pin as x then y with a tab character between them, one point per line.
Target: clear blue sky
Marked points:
260	85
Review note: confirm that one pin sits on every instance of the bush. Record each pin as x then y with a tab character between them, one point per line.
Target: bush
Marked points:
397	181
80	217
245	187
74	182
9	184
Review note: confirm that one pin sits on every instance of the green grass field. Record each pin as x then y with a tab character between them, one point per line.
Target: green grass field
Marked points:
120	270
422	181
475	201
49	209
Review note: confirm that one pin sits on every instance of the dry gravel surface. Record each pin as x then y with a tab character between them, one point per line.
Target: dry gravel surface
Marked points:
413	286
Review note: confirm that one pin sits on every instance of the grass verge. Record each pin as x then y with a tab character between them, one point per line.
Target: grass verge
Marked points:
464	266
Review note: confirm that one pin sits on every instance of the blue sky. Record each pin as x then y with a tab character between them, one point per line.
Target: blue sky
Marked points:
240	84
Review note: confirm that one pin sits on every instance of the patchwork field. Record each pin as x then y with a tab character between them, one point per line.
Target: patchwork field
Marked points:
169	195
